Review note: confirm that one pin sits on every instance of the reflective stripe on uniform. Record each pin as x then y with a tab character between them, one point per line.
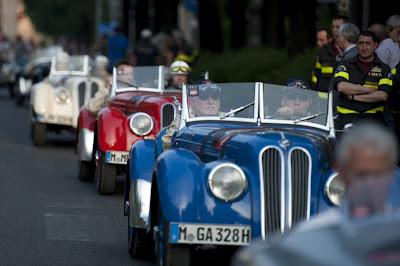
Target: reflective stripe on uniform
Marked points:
323	95
346	111
314	78
370	86
385	81
394	71
318	65
327	70
342	74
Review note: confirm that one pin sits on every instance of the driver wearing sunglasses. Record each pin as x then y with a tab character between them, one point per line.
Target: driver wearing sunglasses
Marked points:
295	101
207	102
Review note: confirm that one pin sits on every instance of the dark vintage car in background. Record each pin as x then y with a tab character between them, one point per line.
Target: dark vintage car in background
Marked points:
243	173
137	110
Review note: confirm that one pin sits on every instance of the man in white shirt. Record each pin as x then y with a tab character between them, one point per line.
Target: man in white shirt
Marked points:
389	50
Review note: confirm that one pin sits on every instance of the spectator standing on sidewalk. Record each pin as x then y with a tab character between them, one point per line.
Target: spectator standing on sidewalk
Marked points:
389	50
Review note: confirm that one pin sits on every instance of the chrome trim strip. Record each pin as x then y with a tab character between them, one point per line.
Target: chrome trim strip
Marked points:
139	203
262	188
309	181
85	144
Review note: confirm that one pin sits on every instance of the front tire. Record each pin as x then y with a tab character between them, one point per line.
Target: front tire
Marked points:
38	132
106	178
140	243
86	171
171	254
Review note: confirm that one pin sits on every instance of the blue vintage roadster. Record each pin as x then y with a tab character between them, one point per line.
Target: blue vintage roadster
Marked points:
248	160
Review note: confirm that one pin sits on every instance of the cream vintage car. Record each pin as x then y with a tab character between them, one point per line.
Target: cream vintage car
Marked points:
55	102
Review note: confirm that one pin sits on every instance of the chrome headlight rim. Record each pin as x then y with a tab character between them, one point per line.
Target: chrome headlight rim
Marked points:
63	100
327	187
243	179
134	130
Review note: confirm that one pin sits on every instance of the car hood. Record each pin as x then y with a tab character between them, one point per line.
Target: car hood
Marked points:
240	142
137	101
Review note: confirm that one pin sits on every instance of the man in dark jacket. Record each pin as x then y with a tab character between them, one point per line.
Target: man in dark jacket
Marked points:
325	63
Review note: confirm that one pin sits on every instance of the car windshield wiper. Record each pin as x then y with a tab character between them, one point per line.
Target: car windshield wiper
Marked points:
309	117
234	111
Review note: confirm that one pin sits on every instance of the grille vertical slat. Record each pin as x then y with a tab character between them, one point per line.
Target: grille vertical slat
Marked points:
300	165
81	93
167	114
272	173
94	89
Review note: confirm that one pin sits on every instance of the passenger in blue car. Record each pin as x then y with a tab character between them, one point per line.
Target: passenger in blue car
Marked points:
204	100
295	101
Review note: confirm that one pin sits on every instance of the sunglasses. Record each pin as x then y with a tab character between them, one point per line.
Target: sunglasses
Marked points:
215	95
180	69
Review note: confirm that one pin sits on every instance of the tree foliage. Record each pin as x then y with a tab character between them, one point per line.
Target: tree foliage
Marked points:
63	18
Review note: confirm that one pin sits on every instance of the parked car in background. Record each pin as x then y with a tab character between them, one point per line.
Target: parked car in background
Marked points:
240	167
55	102
138	109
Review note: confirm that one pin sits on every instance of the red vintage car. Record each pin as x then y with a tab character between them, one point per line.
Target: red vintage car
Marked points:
138	109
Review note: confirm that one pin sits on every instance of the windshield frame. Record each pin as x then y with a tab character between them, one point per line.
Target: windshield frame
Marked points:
160	89
328	123
259	113
188	119
84	72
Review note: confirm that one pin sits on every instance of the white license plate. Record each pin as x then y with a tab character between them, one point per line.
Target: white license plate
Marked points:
117	157
234	235
56	119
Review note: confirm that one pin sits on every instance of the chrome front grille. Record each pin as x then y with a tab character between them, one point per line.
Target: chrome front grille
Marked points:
272	173
300	179
167	114
286	190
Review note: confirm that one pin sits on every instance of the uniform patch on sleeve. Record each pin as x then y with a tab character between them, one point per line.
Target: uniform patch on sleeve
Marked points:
341	68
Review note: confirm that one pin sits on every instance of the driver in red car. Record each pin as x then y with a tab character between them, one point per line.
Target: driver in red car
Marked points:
100	99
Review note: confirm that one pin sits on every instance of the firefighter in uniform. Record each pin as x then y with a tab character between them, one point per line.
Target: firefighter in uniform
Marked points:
326	59
364	84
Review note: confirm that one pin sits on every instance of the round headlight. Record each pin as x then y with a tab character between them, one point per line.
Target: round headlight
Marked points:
335	189
227	181
62	97
141	124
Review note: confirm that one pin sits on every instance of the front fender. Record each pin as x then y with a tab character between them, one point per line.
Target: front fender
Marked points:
141	165
142	158
112	130
41	97
184	195
86	119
